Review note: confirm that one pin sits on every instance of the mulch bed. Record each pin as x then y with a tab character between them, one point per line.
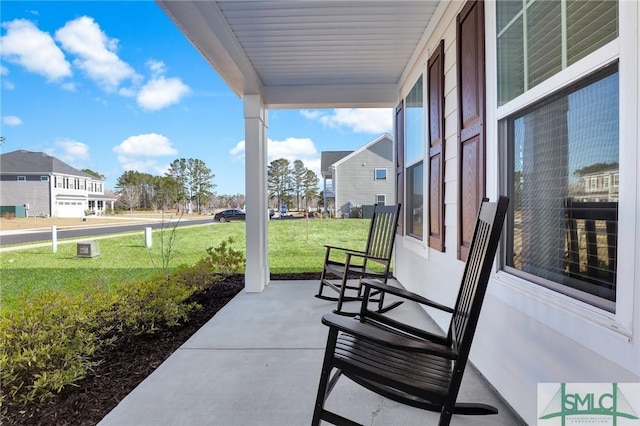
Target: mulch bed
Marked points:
126	365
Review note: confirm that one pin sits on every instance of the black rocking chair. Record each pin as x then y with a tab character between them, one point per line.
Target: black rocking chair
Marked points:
407	364
356	264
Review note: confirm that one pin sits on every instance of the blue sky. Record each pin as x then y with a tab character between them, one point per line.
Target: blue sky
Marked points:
115	86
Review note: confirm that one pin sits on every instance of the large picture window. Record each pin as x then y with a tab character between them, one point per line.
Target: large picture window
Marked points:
414	137
562	153
539	38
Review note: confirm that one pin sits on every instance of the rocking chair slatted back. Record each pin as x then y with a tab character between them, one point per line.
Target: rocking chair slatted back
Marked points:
382	232
475	278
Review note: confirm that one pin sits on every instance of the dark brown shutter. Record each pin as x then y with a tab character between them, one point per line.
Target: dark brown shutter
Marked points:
471	116
436	148
399	126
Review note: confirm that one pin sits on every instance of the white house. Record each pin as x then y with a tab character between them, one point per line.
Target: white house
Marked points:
49	187
490	98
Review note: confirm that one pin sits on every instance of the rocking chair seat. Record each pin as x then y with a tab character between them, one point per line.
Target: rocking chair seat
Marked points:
378	360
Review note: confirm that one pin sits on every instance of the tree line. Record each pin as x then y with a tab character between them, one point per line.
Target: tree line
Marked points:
188	186
292	184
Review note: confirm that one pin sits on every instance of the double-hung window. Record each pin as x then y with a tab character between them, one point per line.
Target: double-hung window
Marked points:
560	149
414	160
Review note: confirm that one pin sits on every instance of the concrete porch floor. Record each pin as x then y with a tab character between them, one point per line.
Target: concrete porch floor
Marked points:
257	362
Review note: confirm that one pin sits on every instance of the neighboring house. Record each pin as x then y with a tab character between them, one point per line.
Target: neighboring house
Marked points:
327	159
359	178
49	187
491	98
599	185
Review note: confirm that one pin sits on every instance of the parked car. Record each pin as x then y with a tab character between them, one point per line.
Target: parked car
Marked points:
229	215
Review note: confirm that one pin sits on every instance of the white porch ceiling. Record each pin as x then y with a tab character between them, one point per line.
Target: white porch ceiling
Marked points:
309	53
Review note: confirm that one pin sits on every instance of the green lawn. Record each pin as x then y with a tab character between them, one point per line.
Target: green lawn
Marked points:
294	246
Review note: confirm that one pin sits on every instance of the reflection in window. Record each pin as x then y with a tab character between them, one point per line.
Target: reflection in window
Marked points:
563	225
414	137
415	197
414	133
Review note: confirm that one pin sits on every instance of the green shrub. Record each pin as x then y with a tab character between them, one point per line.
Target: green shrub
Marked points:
47	343
224	259
53	340
142	306
198	277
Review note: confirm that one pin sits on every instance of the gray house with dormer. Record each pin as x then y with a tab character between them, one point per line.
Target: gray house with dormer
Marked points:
358	178
47	186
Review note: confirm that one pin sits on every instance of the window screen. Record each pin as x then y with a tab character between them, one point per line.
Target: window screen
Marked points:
563	153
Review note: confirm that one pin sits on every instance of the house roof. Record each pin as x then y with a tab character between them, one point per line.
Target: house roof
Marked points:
28	162
315	53
328	158
367	146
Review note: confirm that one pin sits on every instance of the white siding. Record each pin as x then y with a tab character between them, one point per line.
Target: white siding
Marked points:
528	335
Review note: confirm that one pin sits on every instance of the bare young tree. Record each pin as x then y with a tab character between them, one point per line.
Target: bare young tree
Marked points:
130	196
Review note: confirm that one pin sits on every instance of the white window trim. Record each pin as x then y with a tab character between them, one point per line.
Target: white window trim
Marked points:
418	246
44	178
375	173
384	198
609	332
22	178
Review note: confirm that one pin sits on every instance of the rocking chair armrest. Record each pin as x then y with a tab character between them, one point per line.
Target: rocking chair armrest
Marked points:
330	247
363	255
378	335
400	292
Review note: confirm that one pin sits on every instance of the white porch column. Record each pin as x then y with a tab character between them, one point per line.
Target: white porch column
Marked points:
255	129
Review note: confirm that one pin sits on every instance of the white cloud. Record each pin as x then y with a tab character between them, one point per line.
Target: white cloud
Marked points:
292	149
145	145
4	70
161	92
70	151
138	152
157	67
96	53
358	120
311	115
35	50
238	151
11	120
143	165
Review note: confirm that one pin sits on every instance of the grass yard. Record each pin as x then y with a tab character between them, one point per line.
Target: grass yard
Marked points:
294	246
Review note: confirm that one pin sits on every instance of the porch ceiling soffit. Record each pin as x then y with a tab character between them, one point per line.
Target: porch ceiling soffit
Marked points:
310	54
